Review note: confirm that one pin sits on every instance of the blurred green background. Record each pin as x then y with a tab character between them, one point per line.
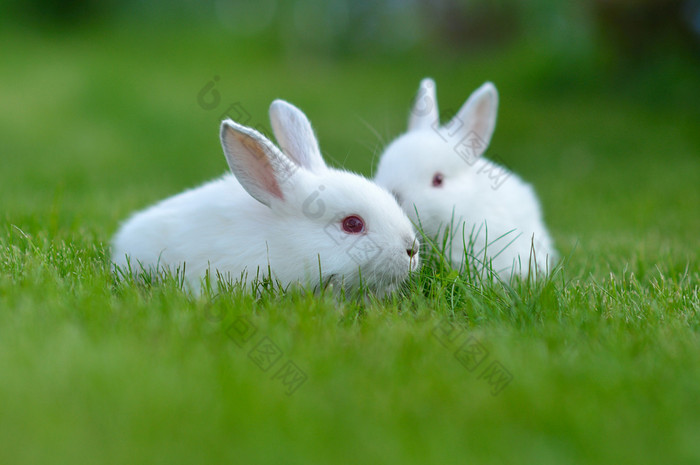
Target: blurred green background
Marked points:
108	106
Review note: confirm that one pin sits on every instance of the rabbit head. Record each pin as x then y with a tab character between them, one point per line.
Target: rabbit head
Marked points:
327	224
428	168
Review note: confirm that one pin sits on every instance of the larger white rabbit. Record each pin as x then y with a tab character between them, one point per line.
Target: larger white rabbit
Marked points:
284	212
440	178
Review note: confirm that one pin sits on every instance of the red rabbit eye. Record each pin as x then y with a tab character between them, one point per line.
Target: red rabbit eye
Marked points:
353	224
438	178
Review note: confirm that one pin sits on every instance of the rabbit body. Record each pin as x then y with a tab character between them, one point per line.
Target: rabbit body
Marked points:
445	185
216	226
278	214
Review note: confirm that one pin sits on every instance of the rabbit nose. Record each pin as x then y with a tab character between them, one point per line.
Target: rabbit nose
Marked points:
412	250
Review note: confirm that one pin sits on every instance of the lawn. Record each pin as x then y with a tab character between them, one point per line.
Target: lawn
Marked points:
600	364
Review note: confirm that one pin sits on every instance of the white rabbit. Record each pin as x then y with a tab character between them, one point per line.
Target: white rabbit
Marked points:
440	178
284	212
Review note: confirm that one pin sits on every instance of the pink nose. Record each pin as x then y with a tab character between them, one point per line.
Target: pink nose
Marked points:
412	250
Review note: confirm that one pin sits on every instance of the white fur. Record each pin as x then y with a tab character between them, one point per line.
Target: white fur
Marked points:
495	215
277	214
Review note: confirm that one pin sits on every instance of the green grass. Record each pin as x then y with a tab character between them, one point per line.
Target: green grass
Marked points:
604	357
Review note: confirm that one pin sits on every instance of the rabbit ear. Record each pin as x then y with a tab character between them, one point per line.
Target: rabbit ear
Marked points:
424	113
295	136
257	164
477	117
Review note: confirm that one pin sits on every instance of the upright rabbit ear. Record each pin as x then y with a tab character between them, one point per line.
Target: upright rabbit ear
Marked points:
259	166
295	136
424	113
477	117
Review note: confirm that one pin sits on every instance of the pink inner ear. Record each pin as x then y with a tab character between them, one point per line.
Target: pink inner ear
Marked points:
261	170
481	118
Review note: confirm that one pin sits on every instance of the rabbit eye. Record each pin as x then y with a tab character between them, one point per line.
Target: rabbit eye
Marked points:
438	178
353	224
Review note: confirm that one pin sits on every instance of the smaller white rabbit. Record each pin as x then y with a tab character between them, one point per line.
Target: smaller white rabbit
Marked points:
440	178
284	212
